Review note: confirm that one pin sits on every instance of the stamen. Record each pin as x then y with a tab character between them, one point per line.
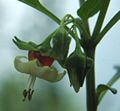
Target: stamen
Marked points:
24	94
28	92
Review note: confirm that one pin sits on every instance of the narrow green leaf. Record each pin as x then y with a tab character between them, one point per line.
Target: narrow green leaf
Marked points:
101	89
115	77
110	83
37	5
89	8
101	17
110	24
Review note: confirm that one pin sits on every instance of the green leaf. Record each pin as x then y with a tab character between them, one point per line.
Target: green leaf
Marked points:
109	25
101	89
110	83
100	19
115	77
37	5
25	45
89	8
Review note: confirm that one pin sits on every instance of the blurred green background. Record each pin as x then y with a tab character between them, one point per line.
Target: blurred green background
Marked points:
30	25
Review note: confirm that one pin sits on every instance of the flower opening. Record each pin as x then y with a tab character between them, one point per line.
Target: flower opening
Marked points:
36	69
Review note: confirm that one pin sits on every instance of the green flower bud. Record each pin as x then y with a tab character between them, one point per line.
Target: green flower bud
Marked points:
76	65
60	43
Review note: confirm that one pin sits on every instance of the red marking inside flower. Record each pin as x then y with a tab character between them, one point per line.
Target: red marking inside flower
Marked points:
44	60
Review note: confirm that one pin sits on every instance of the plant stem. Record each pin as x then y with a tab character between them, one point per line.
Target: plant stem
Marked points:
90	85
86	24
90	78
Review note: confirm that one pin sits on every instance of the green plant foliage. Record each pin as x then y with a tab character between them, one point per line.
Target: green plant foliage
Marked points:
109	25
80	62
37	5
89	8
100	94
101	89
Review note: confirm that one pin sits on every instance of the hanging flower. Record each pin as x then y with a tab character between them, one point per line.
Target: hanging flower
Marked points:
37	66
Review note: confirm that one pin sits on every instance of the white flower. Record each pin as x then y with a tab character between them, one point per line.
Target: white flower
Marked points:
35	69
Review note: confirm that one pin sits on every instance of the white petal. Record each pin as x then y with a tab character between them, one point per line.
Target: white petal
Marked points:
34	68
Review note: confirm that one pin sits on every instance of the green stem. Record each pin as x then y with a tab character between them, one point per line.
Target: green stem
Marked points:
86	24
82	28
90	84
101	18
78	45
90	78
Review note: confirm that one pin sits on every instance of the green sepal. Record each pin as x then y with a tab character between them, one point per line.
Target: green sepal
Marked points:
25	45
56	45
45	47
76	65
60	44
89	8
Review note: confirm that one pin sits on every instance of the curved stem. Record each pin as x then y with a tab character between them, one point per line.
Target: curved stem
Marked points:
110	83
